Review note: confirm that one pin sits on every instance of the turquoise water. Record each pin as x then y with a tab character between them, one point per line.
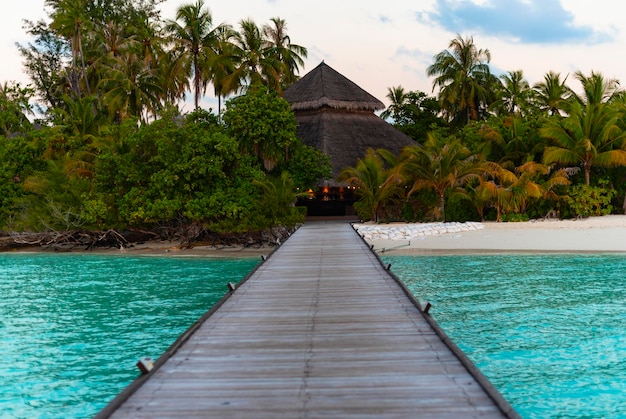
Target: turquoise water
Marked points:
549	331
73	326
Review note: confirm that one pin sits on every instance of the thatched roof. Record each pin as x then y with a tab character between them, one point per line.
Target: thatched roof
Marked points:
337	117
325	87
346	135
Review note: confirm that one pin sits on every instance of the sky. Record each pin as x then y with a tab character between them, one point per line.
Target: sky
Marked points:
381	44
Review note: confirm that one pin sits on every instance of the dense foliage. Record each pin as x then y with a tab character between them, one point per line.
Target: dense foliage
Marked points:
98	140
501	149
190	170
110	146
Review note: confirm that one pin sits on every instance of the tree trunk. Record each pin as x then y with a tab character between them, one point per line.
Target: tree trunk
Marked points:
442	207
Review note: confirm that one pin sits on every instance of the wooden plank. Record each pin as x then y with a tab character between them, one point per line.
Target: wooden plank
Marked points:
319	329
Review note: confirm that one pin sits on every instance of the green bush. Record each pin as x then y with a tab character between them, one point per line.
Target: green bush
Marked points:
589	201
514	218
459	208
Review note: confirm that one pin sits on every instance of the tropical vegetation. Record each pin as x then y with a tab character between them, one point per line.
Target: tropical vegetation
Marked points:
100	139
500	148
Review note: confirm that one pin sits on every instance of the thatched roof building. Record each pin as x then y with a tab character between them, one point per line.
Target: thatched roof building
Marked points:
337	116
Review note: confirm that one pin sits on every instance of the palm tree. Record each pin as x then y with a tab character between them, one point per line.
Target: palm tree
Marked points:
277	200
589	136
172	73
195	37
481	195
514	94
151	39
552	94
222	65
78	117
511	143
597	89
278	46
254	66
130	88
376	181
112	40
511	190
14	108
397	98
464	80
557	178
69	18
442	166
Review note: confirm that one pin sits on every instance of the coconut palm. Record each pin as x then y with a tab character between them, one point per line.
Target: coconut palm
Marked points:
109	43
511	142
195	39
14	108
589	136
557	178
130	87
221	65
170	71
440	165
481	195
254	65
279	46
276	203
596	88
77	117
552	94
376	180
69	19
112	40
397	98
464	80
514	93
152	41
172	77
511	190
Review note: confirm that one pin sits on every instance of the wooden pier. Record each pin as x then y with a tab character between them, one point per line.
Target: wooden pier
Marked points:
320	329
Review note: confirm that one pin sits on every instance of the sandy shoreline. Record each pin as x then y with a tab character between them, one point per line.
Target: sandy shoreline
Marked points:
594	234
157	248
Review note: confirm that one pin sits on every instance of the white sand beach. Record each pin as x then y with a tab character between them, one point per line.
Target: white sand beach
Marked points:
594	234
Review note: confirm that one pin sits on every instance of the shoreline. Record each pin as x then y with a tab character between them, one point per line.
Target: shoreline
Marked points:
152	248
606	234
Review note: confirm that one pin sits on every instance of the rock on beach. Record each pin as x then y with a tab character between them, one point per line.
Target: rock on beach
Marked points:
412	231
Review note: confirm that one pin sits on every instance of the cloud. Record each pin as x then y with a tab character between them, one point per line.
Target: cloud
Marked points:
525	21
424	58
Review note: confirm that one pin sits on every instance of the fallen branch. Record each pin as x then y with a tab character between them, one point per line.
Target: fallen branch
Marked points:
188	236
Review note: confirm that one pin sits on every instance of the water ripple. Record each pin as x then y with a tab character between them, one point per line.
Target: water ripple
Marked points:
73	326
548	330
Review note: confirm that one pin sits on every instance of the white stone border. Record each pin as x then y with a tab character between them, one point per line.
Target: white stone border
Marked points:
412	231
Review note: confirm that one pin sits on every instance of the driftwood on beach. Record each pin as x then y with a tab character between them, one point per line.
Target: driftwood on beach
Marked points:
186	237
69	240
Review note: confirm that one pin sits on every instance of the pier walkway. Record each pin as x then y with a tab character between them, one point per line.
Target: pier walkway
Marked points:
320	329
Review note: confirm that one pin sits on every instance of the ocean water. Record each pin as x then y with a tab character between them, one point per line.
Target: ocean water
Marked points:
73	326
549	331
